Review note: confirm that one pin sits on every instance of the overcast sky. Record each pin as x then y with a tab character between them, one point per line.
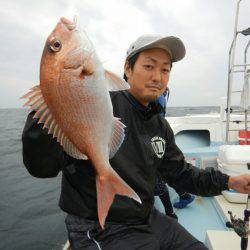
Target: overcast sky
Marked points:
206	28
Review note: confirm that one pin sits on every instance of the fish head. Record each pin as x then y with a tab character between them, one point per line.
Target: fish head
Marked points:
67	48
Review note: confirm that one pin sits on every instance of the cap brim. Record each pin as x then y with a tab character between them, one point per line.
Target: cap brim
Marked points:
171	44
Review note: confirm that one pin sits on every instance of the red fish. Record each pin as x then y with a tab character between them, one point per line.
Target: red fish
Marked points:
73	102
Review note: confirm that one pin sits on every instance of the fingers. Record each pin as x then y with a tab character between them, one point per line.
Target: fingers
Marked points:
240	184
247	189
244	189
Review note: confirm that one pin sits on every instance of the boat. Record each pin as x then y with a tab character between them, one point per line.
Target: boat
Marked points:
220	141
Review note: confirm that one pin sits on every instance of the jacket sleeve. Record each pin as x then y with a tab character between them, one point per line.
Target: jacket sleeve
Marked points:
182	175
42	155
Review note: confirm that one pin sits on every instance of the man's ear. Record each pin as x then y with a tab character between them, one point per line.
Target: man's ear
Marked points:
127	70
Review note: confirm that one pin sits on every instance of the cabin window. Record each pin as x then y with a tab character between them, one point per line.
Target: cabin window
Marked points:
188	139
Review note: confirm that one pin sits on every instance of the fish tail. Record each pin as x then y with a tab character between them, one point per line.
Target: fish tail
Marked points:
107	187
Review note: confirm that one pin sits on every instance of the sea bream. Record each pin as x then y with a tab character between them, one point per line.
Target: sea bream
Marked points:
73	102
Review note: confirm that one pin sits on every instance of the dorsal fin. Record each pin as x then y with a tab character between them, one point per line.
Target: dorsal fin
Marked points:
115	83
117	137
37	103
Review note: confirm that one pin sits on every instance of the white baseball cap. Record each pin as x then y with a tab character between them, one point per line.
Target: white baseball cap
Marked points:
173	45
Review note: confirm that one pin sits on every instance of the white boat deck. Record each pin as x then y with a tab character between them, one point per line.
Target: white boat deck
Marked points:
224	206
222	240
229	240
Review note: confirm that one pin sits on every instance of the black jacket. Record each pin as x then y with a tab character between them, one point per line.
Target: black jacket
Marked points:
149	146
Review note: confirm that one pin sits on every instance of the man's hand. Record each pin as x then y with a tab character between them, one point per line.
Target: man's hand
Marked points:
240	183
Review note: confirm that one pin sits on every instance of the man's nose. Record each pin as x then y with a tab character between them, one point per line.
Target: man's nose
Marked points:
156	75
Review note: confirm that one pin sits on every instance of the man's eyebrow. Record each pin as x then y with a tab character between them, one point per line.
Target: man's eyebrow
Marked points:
152	59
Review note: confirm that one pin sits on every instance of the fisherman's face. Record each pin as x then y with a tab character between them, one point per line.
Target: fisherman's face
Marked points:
150	75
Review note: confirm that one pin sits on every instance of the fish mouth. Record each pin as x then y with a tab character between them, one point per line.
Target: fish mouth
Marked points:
69	24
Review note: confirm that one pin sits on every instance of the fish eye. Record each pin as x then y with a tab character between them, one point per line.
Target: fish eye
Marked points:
55	45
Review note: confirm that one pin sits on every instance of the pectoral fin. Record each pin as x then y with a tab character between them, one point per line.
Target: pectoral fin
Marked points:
115	83
117	137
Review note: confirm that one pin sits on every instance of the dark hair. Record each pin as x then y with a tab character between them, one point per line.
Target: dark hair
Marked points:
131	64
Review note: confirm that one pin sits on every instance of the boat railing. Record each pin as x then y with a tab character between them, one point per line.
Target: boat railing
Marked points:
244	106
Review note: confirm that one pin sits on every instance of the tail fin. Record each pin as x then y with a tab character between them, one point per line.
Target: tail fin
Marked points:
107	187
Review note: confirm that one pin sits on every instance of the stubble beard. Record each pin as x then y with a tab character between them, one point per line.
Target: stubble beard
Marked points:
151	98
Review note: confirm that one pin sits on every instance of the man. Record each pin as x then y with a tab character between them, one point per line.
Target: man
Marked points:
149	147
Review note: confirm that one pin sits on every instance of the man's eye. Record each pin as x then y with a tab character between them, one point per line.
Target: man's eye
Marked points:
148	67
166	71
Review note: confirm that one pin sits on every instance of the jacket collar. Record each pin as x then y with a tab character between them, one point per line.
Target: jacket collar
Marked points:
153	108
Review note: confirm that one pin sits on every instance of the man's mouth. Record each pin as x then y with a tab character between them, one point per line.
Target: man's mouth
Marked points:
154	86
